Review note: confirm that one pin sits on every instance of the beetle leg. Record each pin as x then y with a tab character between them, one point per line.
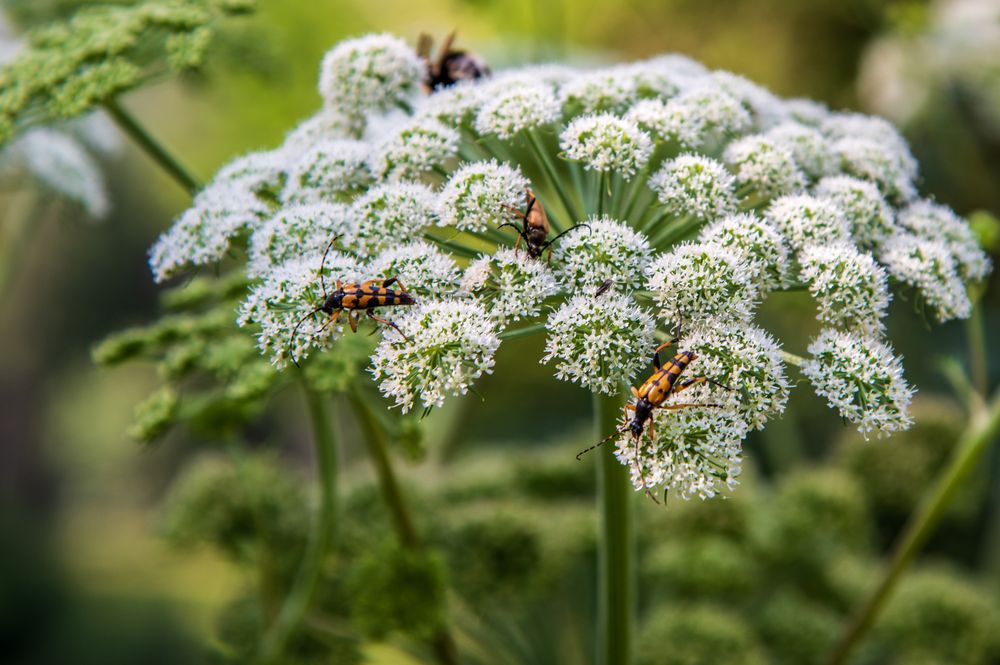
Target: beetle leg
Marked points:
394	280
387	322
353	321
656	354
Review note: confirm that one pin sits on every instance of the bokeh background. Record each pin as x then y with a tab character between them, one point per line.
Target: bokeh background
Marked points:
86	572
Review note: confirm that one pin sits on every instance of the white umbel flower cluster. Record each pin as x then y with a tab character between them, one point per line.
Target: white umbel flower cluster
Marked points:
511	284
604	249
668	194
607	143
450	345
861	378
600	342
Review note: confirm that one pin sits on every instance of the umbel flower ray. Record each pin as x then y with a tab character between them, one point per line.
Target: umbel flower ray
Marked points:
671	194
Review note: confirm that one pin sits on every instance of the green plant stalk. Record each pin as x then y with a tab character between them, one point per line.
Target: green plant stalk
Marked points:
978	358
378	449
320	539
983	427
19	225
127	122
616	569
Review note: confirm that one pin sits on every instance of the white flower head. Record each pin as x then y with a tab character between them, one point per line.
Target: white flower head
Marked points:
870	217
867	158
654	78
604	249
744	359
296	231
480	194
764	167
758	242
697	452
804	219
391	213
203	233
451	344
330	170
695	281
696	186
421	267
59	162
511	284
609	90
806	111
262	171
604	143
766	109
370	73
600	342
325	125
417	147
515	108
861	378
702	117
852	290
454	104
872	128
812	152
934	221
928	266
288	294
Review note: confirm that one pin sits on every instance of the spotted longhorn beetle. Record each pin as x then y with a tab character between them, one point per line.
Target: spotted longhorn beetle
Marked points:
652	394
355	297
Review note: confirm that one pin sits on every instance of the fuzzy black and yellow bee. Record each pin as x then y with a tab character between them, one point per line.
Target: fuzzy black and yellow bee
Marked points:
535	227
354	298
651	395
451	65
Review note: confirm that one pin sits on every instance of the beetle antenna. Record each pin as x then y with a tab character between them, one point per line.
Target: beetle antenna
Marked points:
575	226
618	430
322	264
295	331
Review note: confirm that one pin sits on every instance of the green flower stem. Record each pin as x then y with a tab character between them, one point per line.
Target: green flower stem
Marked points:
978	358
556	181
676	230
320	539
525	331
452	246
19	225
378	449
152	147
792	359
984	425
616	588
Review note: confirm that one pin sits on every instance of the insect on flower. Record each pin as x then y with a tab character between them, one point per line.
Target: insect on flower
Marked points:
652	394
535	227
355	297
451	65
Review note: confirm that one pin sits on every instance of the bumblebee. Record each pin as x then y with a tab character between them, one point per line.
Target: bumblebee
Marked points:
451	65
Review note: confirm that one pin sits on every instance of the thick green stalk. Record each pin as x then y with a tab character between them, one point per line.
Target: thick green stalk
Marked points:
19	225
616	569
983	427
127	122
320	539
978	358
378	449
